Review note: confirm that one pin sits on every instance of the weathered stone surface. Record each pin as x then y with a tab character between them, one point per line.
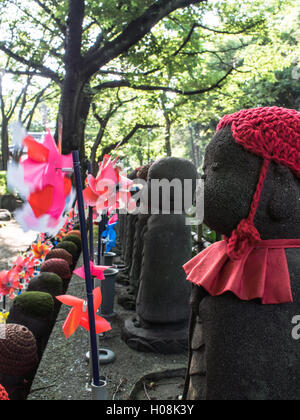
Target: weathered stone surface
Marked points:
162	304
250	352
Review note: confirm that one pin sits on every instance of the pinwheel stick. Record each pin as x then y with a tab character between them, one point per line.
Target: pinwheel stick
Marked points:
87	270
101	229
91	231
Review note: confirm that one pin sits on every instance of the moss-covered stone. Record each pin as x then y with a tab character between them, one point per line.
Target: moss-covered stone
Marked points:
35	304
47	283
74	239
71	247
75	232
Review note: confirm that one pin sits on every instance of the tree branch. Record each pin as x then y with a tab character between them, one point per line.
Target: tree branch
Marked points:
240	31
44	71
186	41
126	139
124	83
60	25
73	57
134	32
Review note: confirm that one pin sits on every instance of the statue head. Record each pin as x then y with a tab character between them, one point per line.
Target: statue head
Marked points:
180	174
251	173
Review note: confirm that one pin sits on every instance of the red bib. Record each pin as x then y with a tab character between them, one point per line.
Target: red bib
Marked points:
261	273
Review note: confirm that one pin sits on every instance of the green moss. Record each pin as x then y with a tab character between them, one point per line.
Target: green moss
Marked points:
47	283
71	248
35	304
75	239
77	226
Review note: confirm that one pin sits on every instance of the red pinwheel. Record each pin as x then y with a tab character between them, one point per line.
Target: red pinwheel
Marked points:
96	271
79	314
9	282
24	267
110	190
43	184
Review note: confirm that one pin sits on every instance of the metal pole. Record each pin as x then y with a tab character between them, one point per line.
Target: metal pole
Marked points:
99	249
87	270
91	230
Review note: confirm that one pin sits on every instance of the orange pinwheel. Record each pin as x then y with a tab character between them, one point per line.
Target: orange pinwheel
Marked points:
79	314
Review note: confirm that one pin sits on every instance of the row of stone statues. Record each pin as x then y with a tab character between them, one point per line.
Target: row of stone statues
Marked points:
154	249
245	300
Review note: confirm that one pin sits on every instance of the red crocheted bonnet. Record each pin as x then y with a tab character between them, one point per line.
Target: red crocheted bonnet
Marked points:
3	394
272	133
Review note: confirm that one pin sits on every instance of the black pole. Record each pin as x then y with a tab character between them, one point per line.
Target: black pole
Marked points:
87	270
91	225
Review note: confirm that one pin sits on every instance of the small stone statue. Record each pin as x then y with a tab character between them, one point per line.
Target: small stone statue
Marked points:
127	225
127	298
162	313
246	289
35	311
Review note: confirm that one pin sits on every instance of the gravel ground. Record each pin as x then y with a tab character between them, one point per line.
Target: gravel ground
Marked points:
64	373
12	241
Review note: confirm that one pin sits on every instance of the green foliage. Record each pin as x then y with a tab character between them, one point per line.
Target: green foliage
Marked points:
255	43
3	186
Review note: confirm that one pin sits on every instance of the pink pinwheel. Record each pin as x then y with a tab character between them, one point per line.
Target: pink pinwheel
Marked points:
79	314
24	267
29	266
110	190
18	264
42	183
113	219
9	282
96	271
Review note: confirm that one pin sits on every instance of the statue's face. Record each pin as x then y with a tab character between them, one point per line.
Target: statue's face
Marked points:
231	175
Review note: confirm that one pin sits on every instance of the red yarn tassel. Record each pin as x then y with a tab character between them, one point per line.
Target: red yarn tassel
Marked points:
246	236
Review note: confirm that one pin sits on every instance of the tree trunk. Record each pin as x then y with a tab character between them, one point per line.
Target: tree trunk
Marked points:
70	104
168	138
4	144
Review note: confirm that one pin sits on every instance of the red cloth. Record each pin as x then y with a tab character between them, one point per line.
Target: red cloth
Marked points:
261	273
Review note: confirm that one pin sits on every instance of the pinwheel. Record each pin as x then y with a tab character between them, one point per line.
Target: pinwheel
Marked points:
110	236
110	190
113	219
24	267
29	268
78	316
3	317
40	250
9	282
96	271
40	180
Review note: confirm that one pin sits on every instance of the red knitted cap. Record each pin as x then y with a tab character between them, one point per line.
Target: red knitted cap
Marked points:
272	133
3	394
61	254
57	266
